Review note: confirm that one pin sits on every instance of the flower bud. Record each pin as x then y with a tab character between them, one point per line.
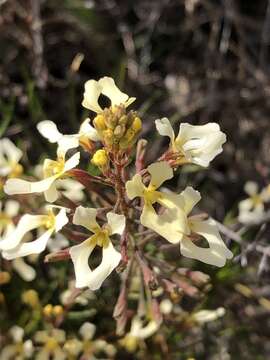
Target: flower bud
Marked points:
47	310
137	124
100	159
99	122
30	297
58	310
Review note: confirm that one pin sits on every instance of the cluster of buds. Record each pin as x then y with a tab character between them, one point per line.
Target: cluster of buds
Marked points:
134	207
118	128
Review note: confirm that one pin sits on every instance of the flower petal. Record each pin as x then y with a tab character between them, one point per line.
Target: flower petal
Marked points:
200	143
216	254
86	129
171	224
19	186
26	223
28	248
92	91
135	187
11	151
246	205
116	222
61	219
51	195
79	255
86	217
110	260
251	188
72	162
12	208
87	331
109	89
43	354
191	198
84	275
26	272
48	129
164	128
66	143
160	172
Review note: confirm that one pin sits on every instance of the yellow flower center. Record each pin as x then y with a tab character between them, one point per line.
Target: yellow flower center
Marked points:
16	170
54	167
19	348
49	220
256	199
151	195
51	344
101	237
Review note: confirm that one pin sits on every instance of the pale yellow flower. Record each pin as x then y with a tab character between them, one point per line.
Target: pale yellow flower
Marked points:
139	331
86	134
52	171
51	344
217	252
19	349
86	217
105	86
197	144
10	156
172	223
253	208
15	245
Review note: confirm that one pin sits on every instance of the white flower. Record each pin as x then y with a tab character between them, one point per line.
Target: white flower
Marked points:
52	171
197	144
86	134
105	86
7	213
14	245
172	223
138	332
51	344
252	209
204	316
217	253
86	217
7	227
10	156
19	349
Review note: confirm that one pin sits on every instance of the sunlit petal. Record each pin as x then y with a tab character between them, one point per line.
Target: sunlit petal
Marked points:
19	186
86	217
216	254
26	223
191	198
135	187
110	90
164	128
160	172
92	91
48	129
28	248
116	222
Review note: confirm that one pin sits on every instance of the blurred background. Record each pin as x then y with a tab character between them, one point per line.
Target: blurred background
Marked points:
192	61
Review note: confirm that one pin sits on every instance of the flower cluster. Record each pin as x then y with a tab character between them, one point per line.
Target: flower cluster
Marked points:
134	208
